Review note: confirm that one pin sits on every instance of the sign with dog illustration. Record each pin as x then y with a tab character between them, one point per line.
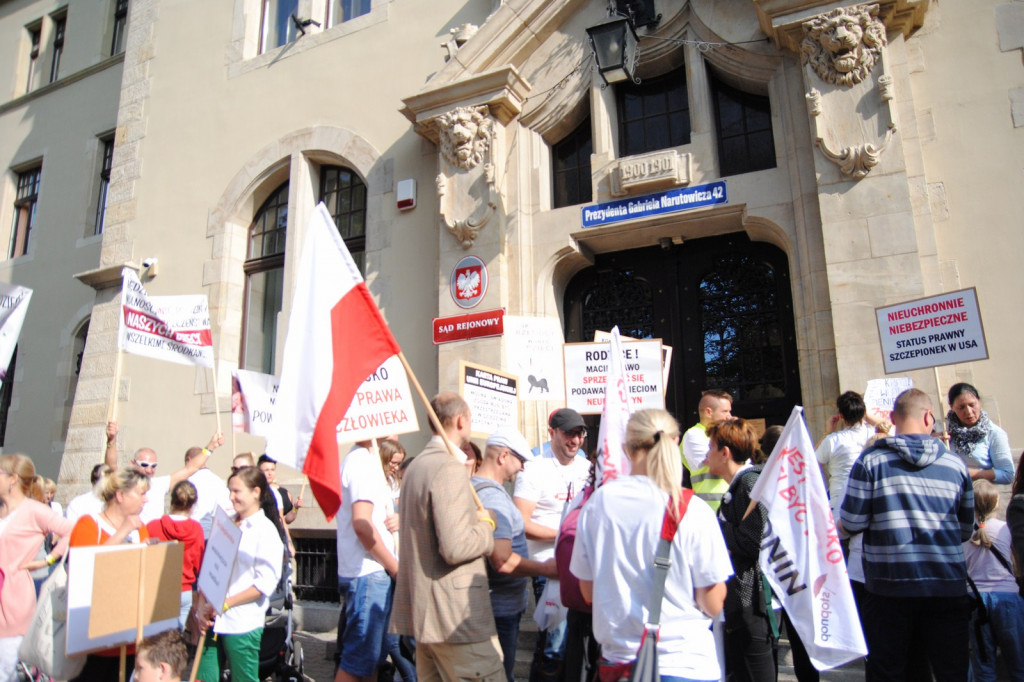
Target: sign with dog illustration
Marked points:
533	350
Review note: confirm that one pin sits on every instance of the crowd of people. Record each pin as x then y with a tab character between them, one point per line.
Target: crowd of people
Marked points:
436	552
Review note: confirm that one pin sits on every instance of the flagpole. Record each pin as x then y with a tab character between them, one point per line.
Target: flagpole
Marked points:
434	420
112	407
216	406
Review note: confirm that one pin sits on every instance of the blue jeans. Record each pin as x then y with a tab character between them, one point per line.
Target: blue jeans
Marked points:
508	634
1005	630
363	621
405	667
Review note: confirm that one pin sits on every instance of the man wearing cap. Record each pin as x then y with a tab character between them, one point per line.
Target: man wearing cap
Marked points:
541	491
505	454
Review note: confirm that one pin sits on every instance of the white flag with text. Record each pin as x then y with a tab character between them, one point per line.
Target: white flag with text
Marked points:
14	302
612	461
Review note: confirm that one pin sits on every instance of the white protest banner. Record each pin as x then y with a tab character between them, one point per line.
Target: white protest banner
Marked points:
532	346
114	577
612	461
219	558
880	395
586	371
171	328
492	397
931	332
800	552
14	302
382	406
666	353
252	402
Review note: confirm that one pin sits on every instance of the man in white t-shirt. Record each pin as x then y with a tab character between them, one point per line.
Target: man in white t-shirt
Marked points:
541	491
88	502
366	564
211	492
144	461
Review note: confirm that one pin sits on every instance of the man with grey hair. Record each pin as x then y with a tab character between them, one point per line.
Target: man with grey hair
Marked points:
914	502
505	454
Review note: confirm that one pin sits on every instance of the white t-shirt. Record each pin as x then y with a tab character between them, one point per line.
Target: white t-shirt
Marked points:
696	446
616	541
362	480
550	485
211	492
837	453
156	498
983	567
86	503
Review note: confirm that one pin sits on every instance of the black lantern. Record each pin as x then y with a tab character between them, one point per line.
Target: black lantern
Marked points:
615	46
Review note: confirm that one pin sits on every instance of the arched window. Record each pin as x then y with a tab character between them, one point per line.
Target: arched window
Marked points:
264	282
344	194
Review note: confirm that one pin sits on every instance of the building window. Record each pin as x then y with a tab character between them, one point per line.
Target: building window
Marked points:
101	200
343	10
25	203
6	391
743	123
34	36
344	194
276	26
264	282
570	167
59	25
120	26
654	114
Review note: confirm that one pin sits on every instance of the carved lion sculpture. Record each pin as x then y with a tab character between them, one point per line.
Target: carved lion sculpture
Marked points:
843	45
465	136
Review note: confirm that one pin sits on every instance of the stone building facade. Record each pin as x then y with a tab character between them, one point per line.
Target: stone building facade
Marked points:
840	156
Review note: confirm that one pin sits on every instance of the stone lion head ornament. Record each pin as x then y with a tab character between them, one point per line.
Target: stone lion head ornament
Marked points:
465	135
843	45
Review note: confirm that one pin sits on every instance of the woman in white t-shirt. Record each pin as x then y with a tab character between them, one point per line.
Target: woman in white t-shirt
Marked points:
613	557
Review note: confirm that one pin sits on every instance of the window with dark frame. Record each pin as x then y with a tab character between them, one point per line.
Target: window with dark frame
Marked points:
101	200
344	10
344	194
654	114
120	25
570	167
743	128
34	37
25	203
276	25
6	393
59	26
264	282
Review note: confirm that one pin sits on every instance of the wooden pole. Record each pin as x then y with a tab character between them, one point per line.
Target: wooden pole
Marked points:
434	420
122	665
942	410
216	401
197	608
112	407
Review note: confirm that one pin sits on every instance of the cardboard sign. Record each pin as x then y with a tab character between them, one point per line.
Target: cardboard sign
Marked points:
112	590
586	372
533	351
880	395
492	397
219	559
931	332
382	406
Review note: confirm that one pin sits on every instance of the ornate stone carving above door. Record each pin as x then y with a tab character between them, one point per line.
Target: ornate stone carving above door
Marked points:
466	192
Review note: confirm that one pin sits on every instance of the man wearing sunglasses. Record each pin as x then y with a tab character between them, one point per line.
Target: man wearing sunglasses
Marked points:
145	462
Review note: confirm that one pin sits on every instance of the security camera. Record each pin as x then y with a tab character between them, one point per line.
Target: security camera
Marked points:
149	262
149	267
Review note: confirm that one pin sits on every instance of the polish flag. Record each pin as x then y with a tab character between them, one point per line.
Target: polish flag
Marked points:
336	338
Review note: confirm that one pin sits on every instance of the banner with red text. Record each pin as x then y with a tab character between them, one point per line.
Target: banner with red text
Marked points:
800	552
930	332
14	302
382	406
171	328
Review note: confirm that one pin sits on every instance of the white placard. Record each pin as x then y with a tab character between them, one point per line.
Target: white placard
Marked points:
931	332
533	351
219	559
586	370
381	407
492	397
880	395
14	302
252	402
666	353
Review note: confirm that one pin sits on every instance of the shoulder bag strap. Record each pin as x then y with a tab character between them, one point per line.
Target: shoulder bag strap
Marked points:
662	560
1001	559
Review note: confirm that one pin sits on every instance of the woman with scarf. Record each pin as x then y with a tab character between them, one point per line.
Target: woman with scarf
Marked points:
983	446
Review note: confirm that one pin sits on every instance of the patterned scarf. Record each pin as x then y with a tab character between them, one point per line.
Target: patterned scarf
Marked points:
961	437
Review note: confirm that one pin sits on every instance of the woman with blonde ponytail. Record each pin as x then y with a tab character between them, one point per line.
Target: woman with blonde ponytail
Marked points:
616	541
989	564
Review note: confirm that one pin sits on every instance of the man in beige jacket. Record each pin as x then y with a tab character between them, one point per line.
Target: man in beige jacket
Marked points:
442	597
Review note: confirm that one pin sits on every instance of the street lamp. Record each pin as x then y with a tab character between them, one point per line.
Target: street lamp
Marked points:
616	48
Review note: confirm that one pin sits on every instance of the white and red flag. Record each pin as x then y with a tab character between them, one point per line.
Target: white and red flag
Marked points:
612	461
171	328
336	338
800	552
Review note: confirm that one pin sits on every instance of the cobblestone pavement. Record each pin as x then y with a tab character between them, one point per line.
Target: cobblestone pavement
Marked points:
317	655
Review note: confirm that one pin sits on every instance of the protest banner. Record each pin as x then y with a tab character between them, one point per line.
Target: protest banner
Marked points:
612	461
171	328
586	368
219	558
252	402
931	332
118	594
492	396
382	405
880	395
800	552
14	302
532	346
666	353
